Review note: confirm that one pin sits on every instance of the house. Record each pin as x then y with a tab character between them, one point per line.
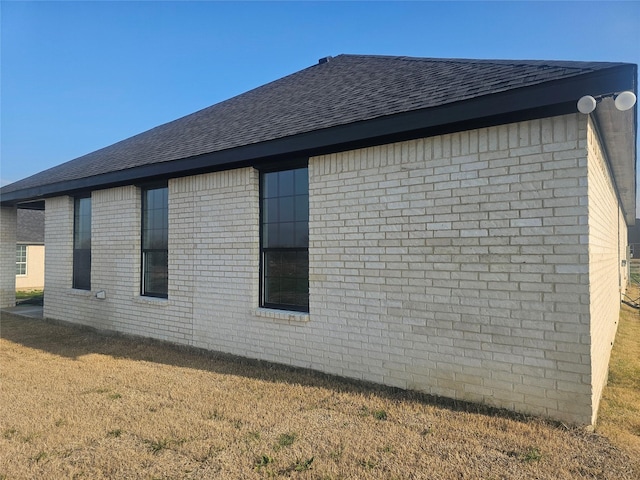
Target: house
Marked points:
634	240
456	227
30	250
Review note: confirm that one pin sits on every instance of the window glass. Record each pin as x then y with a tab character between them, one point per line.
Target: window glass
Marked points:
155	242
82	243
285	239
155	272
287	278
302	208
285	183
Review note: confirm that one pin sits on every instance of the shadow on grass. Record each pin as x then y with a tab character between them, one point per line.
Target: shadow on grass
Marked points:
75	341
35	298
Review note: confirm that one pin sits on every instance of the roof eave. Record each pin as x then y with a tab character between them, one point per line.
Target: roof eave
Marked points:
618	132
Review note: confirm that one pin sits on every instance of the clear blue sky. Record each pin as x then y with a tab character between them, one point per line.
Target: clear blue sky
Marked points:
78	76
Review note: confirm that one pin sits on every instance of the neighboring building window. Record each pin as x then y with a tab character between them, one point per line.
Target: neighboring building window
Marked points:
82	244
155	242
284	251
21	259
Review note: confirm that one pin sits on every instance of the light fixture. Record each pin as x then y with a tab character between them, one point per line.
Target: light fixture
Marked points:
623	101
587	104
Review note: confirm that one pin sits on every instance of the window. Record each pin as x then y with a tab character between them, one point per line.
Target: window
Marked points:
21	259
82	243
155	242
284	252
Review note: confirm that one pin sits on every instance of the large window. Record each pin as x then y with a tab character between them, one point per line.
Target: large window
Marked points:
155	242
285	239
82	244
21	259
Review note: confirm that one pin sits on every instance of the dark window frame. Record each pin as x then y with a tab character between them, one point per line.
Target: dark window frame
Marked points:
81	268
145	253
265	251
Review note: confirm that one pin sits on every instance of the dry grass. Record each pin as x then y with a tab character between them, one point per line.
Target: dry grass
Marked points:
74	404
620	408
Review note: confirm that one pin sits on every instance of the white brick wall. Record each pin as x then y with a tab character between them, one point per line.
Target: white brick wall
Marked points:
218	226
8	220
607	249
58	270
457	265
115	268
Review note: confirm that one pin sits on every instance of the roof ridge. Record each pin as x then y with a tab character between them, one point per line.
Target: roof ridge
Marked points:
496	61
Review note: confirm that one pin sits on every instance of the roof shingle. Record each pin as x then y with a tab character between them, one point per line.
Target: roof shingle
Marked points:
30	227
344	90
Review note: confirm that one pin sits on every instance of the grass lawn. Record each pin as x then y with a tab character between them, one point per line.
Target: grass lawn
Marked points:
74	404
29	297
619	417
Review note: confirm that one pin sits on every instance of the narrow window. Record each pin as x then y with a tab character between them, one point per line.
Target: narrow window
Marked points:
284	252
21	259
155	242
82	244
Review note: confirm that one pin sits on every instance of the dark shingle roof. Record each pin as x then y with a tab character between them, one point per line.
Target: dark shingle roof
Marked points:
344	90
30	227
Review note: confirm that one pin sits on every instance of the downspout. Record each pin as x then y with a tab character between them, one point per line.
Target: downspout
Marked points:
618	248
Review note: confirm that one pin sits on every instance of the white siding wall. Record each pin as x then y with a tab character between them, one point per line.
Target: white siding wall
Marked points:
607	234
34	278
455	265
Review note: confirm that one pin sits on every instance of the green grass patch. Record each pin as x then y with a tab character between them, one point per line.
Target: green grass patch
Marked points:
285	440
29	297
157	446
380	415
302	465
262	461
531	455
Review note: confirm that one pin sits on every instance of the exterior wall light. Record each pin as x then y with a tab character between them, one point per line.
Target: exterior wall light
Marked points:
623	101
587	104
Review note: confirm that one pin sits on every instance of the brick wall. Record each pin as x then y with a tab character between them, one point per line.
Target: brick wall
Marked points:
8	222
58	270
115	269
218	229
607	249
457	265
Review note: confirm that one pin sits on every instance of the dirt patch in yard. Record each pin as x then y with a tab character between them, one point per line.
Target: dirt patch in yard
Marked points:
75	404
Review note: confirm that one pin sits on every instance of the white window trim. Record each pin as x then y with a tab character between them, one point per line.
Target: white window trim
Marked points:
26	261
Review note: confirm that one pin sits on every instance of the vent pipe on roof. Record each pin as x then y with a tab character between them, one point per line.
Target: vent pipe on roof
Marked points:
324	60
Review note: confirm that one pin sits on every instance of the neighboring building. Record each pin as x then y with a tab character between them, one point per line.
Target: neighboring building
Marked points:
634	240
450	226
30	250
